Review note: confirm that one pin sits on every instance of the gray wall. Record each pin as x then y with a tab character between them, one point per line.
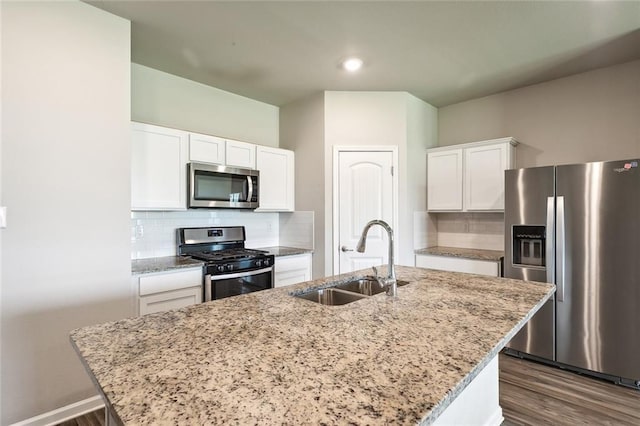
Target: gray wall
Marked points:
312	127
66	183
586	117
302	130
172	101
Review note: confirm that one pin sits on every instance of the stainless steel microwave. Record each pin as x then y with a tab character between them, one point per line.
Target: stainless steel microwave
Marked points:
212	186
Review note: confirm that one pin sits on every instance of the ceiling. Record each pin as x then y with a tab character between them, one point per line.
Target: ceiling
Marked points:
442	52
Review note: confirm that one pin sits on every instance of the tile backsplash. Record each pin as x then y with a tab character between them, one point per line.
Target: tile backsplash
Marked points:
153	234
471	230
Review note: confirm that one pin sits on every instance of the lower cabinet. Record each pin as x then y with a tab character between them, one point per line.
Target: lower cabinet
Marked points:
292	269
457	264
163	291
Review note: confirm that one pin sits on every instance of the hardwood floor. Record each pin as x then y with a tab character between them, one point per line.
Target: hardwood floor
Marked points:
535	394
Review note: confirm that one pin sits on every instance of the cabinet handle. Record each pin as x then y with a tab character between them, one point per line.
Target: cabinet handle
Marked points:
345	249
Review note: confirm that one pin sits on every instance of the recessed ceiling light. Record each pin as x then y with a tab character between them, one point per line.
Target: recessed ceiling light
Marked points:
352	64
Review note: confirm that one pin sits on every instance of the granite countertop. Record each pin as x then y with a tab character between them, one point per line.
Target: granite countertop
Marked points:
467	253
161	264
269	358
278	251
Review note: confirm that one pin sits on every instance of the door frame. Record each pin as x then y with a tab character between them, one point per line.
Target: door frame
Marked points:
337	149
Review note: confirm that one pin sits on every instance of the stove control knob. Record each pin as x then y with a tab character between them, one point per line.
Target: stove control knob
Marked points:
266	262
220	268
229	267
258	263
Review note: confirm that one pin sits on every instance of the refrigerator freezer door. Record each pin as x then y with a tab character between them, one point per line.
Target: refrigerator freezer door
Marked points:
598	319
529	201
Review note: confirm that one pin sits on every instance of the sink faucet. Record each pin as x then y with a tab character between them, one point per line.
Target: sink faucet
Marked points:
389	283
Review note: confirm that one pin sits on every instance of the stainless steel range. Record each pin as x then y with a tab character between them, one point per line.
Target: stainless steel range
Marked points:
230	269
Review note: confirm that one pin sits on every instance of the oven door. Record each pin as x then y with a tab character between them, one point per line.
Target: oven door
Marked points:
221	286
219	186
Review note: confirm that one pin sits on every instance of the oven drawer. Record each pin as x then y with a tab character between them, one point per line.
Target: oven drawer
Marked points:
168	281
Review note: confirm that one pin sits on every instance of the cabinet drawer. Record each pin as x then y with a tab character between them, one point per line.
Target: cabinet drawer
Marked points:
167	281
456	264
292	269
170	300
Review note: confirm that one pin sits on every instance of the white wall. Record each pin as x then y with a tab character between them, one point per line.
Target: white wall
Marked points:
65	180
384	118
171	101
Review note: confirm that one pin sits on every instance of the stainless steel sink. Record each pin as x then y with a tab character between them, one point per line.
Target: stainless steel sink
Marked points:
366	286
330	296
346	292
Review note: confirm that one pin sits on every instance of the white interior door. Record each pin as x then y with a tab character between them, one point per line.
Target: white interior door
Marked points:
365	191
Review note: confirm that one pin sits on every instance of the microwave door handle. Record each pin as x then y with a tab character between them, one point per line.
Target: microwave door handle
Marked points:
250	191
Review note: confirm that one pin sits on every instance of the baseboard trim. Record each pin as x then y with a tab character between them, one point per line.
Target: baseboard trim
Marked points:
62	414
496	419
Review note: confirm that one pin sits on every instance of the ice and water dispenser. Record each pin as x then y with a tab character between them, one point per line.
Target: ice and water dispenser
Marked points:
529	244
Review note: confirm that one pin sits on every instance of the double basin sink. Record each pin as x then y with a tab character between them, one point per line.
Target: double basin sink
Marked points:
342	293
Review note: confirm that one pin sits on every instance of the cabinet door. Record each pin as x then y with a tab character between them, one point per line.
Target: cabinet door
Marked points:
456	264
158	168
167	300
206	149
292	269
277	171
444	180
484	168
241	154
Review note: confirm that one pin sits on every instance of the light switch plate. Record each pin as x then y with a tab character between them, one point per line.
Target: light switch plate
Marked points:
3	217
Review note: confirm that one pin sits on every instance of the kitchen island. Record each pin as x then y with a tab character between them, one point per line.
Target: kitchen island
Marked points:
270	358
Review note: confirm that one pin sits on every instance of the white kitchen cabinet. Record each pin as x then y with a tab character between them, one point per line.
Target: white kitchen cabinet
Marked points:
444	180
277	187
158	168
469	177
240	154
207	149
162	291
292	269
457	264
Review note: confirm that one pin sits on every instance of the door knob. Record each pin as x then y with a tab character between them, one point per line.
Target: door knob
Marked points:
345	249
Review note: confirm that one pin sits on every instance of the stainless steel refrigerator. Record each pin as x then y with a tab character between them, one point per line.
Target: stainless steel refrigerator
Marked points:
578	226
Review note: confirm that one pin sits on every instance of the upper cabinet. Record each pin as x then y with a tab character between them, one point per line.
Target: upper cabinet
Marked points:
159	157
241	154
469	177
158	168
206	149
277	170
444	180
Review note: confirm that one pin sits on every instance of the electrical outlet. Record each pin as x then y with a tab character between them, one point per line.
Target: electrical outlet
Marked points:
3	217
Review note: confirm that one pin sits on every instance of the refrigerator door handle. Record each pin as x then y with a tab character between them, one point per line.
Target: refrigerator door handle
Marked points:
560	240
550	258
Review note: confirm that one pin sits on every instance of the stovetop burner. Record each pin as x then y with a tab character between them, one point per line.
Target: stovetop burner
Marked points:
228	254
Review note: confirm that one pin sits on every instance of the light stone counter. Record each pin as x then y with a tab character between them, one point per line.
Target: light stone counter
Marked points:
269	358
280	251
465	253
162	264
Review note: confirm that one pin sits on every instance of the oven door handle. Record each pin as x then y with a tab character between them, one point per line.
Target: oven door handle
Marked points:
241	274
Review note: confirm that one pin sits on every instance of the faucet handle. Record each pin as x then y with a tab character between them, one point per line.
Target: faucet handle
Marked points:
375	271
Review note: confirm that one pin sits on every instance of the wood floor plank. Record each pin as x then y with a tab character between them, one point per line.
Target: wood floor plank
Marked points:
533	393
